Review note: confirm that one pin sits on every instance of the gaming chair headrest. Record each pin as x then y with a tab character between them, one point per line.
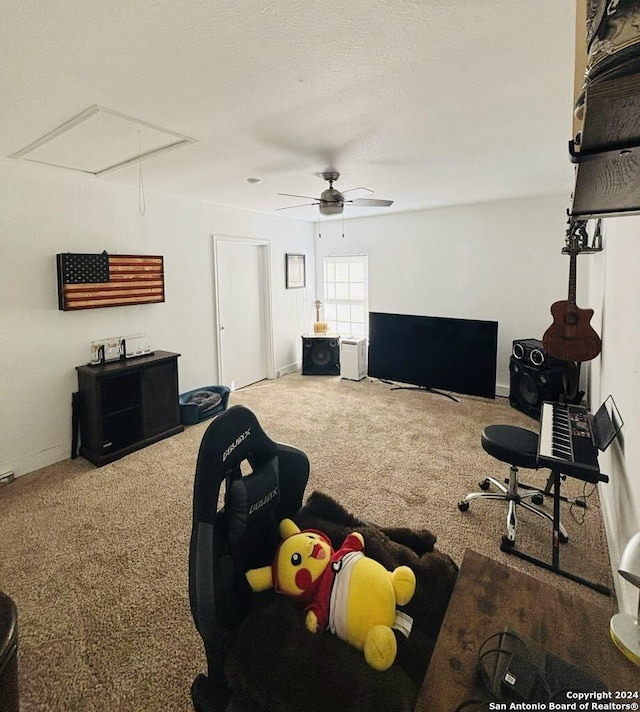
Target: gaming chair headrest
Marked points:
235	435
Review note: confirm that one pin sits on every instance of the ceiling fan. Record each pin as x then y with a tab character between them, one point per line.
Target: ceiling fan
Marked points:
332	201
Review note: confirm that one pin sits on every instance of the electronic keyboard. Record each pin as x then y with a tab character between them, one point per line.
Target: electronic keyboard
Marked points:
567	441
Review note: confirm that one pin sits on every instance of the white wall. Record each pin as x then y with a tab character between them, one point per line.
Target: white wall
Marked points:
615	293
499	261
44	211
503	261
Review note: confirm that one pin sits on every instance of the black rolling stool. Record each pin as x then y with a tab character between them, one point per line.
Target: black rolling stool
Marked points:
519	448
8	654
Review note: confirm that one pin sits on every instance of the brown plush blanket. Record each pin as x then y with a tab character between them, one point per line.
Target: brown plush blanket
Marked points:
277	664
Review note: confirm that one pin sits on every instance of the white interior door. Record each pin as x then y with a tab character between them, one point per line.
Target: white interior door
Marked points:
244	311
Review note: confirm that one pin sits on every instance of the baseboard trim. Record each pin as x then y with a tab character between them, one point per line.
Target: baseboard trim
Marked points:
290	368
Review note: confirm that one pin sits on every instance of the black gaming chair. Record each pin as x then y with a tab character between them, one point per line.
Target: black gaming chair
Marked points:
264	483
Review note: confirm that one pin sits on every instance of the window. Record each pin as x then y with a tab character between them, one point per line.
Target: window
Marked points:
346	292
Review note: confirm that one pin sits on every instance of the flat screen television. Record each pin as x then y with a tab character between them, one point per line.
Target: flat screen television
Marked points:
457	355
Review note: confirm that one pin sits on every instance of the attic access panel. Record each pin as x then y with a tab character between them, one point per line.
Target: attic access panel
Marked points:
99	140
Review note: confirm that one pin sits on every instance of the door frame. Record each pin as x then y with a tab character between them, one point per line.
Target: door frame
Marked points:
266	296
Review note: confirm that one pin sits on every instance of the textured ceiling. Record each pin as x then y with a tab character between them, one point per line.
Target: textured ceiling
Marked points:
426	102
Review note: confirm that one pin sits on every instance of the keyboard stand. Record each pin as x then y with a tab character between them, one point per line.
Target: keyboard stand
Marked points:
554	566
547	492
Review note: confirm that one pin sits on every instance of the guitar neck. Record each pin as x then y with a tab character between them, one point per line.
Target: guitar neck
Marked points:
573	273
573	249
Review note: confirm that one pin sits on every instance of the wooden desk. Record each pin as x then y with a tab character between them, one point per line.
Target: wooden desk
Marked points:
488	597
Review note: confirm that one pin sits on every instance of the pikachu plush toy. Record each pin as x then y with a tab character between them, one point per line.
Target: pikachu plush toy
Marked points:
344	591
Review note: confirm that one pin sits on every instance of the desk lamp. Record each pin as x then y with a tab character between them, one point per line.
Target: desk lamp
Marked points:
624	628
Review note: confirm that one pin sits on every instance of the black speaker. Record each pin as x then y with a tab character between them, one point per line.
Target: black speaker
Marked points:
320	355
532	353
531	385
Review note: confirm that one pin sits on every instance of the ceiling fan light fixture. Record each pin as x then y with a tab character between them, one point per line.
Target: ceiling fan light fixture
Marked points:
331	209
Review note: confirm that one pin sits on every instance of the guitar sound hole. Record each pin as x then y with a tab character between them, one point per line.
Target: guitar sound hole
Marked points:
572	319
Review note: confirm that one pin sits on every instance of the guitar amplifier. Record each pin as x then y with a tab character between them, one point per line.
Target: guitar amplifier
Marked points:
531	352
531	385
320	355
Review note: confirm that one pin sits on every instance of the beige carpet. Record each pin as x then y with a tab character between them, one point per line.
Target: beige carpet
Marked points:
96	558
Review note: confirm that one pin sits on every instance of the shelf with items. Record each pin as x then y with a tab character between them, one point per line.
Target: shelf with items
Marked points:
606	150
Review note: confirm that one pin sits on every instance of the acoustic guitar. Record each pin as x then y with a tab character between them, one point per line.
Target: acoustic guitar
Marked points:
571	336
319	327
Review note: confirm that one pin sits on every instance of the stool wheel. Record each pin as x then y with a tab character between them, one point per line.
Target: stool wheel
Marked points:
463	506
506	541
484	484
562	538
538	499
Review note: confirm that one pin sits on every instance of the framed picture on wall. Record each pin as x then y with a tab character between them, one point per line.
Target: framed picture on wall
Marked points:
295	274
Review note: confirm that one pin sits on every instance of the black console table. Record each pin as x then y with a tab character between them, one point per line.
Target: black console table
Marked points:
128	404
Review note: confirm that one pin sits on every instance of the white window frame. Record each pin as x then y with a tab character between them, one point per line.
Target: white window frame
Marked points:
346	294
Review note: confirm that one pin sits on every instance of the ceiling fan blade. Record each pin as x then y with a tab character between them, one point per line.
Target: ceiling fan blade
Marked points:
304	205
293	195
370	202
350	190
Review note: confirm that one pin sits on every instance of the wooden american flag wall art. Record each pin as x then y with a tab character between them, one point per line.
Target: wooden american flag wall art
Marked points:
90	281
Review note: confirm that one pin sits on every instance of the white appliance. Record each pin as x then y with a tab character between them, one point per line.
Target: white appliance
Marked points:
353	358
